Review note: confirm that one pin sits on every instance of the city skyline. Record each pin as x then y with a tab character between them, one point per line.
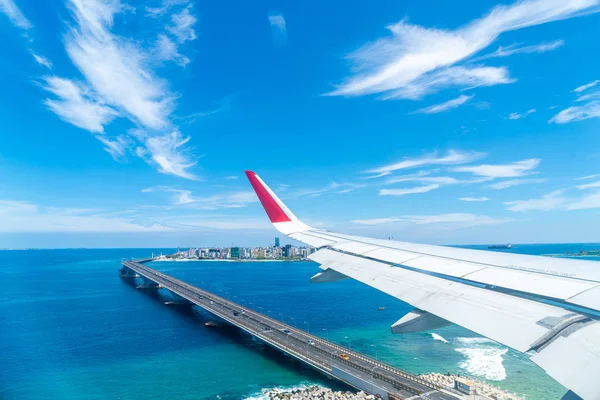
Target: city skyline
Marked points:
130	123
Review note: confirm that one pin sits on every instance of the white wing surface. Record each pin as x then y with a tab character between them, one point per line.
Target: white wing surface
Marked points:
530	303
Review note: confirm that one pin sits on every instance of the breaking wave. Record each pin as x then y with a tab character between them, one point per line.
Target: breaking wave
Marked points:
435	336
484	358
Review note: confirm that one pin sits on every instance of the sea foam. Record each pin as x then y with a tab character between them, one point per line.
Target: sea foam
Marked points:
435	336
484	358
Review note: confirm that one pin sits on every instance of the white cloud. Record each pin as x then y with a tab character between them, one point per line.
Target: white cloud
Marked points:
516	115
442	180
474	199
165	152
587	177
13	12
119	81
165	6
589	185
166	50
586	202
588	106
550	201
577	113
514	49
76	105
333	187
183	197
463	220
41	60
516	169
405	191
445	106
586	86
182	26
114	66
117	147
413	60
515	182
231	177
22	216
453	157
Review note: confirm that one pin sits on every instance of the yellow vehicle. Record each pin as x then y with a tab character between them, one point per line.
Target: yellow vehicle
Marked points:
344	356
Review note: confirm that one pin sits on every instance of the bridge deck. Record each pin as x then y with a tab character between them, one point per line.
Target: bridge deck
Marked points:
358	370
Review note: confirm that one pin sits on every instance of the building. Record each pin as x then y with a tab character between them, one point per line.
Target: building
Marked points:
276	242
464	385
287	250
191	253
235	252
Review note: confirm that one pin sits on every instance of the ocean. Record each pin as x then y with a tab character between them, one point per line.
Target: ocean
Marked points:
71	329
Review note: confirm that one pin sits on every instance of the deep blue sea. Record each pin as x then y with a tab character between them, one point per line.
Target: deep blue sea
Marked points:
71	329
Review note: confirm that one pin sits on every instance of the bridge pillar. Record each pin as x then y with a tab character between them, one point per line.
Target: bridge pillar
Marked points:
148	284
178	301
128	273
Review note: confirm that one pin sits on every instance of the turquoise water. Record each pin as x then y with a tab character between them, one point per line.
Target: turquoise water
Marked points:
71	329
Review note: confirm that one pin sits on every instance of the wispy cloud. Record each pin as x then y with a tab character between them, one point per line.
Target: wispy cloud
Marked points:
453	157
445	106
557	200
183	197
166	50
577	113
15	15
75	104
166	152
182	25
515	182
41	60
442	180
416	60
116	147
587	177
474	199
23	216
231	177
588	105
120	83
405	191
455	219
516	115
515	49
589	185
333	187
586	86
516	169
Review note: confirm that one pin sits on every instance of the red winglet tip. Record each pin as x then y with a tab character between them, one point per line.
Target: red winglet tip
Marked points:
274	211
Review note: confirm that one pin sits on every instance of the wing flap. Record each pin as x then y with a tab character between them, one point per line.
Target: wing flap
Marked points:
573	359
506	319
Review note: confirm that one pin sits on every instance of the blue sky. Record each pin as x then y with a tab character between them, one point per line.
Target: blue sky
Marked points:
129	124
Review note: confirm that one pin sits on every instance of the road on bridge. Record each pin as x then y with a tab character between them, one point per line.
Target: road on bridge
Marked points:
355	369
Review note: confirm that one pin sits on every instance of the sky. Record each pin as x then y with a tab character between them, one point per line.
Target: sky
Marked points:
130	123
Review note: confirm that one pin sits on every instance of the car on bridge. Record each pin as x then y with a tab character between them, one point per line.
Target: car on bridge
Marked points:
344	356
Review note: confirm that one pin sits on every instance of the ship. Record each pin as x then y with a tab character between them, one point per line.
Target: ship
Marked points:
500	246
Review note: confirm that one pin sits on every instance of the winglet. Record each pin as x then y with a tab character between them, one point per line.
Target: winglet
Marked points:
278	213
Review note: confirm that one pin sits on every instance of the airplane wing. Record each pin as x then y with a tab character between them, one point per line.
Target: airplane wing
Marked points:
550	306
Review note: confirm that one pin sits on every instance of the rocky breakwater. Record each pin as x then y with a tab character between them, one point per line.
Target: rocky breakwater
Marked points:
317	392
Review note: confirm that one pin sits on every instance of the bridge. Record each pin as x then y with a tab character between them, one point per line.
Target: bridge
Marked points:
335	361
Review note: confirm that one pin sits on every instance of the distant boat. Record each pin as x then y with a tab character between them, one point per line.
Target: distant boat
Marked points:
500	246
381	308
